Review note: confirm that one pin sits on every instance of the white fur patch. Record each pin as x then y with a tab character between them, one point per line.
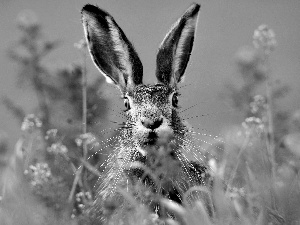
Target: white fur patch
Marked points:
120	47
188	31
91	23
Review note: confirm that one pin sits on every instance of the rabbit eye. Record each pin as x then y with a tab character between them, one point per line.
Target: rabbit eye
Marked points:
126	103
175	100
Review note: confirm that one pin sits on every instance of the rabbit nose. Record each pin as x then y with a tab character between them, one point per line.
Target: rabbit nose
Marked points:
150	124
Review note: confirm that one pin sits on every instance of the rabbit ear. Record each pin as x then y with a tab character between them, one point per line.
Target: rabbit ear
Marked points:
174	52
110	49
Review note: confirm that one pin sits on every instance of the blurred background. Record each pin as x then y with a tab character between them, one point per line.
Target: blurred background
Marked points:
41	59
223	28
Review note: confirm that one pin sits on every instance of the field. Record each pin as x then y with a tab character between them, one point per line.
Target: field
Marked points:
49	176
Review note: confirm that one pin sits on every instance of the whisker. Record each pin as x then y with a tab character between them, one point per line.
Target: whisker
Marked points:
106	146
118	164
109	130
215	137
197	116
100	122
185	85
185	164
211	144
186	109
193	150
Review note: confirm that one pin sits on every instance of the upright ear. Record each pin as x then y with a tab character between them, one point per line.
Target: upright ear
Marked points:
175	50
110	49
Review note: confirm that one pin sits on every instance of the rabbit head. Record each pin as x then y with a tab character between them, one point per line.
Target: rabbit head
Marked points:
152	108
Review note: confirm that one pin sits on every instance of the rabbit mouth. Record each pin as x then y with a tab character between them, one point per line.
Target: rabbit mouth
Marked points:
151	138
157	137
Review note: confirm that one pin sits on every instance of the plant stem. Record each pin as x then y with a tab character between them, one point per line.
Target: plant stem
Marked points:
270	137
233	173
76	180
84	105
38	70
81	170
84	119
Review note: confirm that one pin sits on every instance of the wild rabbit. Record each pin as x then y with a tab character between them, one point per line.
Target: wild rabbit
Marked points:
151	153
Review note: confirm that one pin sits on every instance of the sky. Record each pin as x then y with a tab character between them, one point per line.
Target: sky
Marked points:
223	27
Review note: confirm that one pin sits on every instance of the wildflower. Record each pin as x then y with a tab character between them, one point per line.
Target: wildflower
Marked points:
78	142
27	18
28	22
40	173
250	61
253	124
81	44
79	196
88	195
30	123
88	138
51	134
264	38
258	104
57	148
247	57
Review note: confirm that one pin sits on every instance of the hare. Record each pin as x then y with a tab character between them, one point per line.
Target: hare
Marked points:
153	140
